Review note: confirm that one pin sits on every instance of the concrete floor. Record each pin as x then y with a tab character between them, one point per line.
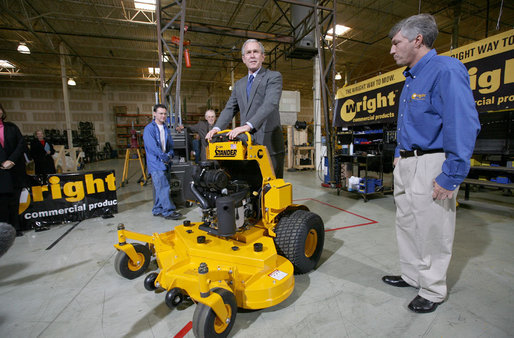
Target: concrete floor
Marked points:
72	289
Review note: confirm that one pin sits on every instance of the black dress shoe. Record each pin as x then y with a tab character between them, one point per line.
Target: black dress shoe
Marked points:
174	215
395	281
422	305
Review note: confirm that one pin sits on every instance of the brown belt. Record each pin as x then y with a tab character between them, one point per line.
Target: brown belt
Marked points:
419	152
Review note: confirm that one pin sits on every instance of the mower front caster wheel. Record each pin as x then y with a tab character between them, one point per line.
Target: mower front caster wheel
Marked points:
174	297
150	281
207	324
129	269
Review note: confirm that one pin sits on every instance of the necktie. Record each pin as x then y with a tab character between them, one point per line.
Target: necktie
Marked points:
249	86
2	134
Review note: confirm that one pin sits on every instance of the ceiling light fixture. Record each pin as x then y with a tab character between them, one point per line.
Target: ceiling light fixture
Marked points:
148	5
230	88
6	64
338	76
155	71
23	49
71	82
340	30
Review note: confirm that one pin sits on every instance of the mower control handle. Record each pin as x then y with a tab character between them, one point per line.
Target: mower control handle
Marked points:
221	136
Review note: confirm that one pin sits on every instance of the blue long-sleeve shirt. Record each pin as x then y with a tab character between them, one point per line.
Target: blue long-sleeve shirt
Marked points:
437	111
153	148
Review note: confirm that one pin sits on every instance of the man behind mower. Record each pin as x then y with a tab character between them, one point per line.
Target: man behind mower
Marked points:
159	154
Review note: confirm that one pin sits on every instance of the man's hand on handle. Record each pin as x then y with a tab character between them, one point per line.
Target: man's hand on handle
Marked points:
231	134
239	130
210	134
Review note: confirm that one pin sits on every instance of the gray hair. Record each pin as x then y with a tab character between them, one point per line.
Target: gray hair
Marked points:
209	111
410	27
251	40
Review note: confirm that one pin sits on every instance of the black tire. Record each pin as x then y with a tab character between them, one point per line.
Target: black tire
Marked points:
125	267
205	322
300	238
150	281
174	297
189	204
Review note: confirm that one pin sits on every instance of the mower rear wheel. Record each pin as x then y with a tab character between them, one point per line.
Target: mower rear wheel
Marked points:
300	238
207	324
129	269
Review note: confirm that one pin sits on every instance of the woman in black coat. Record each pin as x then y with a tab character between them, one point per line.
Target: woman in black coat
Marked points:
41	152
12	171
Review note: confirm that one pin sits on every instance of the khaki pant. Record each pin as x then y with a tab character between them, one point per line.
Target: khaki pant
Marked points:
425	227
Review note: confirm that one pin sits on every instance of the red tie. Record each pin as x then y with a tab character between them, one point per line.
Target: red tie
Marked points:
2	133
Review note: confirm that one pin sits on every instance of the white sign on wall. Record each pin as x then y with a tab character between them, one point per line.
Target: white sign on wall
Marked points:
289	107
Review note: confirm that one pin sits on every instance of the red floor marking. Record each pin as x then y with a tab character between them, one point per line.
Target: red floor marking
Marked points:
351	213
184	331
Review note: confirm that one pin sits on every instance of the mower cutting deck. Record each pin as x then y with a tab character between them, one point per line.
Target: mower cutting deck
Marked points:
243	253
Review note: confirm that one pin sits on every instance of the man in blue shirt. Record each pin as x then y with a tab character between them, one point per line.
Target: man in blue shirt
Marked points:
437	128
159	153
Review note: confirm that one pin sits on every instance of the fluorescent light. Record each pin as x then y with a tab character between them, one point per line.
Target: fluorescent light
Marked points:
340	30
338	76
23	49
148	5
71	82
230	88
153	70
6	64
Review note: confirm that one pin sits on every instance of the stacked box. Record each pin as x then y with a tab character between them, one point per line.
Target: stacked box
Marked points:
378	183
367	185
502	180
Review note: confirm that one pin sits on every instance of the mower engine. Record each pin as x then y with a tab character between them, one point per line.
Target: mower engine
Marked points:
227	204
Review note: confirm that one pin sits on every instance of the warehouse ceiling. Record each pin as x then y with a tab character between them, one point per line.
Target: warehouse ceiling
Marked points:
111	43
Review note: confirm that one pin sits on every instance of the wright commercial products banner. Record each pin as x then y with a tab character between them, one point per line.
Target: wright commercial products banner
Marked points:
490	64
70	197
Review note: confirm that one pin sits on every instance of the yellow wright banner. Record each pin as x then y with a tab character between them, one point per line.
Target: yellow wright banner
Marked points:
376	82
490	65
493	45
496	44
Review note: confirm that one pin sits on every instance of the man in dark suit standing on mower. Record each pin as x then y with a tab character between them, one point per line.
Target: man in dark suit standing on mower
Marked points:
257	98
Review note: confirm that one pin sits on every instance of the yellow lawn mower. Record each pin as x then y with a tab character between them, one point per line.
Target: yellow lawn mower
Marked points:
243	253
